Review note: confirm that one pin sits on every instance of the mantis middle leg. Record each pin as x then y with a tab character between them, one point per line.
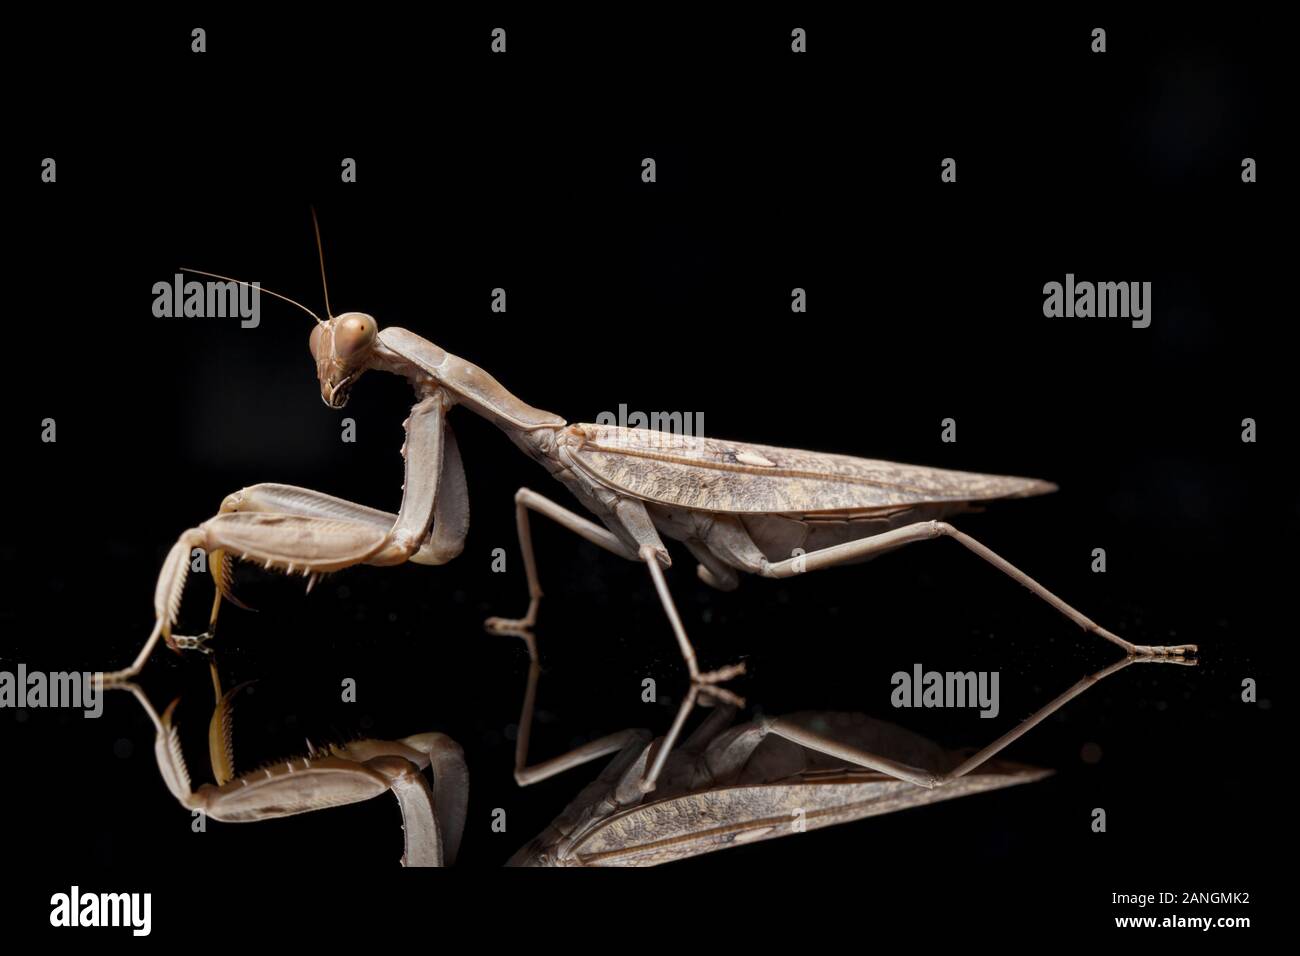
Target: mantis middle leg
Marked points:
632	516
528	500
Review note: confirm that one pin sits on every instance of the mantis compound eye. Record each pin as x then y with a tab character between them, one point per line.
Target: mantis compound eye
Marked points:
354	333
314	342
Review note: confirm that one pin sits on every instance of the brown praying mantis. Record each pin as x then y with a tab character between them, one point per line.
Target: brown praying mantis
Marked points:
736	507
433	818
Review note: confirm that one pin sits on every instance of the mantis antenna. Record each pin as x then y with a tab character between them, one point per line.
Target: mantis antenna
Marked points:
320	252
200	272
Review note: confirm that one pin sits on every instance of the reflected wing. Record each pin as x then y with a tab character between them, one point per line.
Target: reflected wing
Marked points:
715	819
708	474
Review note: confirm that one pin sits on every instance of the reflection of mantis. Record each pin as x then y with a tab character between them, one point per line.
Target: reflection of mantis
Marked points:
730	785
331	776
724	786
736	507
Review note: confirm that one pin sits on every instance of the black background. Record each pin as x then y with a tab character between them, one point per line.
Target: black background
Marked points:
774	171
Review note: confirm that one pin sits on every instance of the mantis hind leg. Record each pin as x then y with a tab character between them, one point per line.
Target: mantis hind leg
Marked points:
736	546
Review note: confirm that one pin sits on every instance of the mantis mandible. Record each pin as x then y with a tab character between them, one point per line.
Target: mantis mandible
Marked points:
736	507
433	819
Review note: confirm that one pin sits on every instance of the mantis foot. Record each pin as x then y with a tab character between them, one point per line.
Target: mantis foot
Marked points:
510	626
708	682
1174	654
119	679
183	642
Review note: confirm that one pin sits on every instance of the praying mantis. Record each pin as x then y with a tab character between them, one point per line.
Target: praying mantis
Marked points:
735	506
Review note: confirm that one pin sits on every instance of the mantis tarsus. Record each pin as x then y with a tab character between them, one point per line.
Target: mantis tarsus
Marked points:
736	507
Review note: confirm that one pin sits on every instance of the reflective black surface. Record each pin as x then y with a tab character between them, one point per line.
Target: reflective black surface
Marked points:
925	302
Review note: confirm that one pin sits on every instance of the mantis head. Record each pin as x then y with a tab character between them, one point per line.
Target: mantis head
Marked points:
342	348
342	345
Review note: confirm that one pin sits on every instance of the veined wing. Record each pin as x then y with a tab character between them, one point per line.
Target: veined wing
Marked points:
709	474
699	823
